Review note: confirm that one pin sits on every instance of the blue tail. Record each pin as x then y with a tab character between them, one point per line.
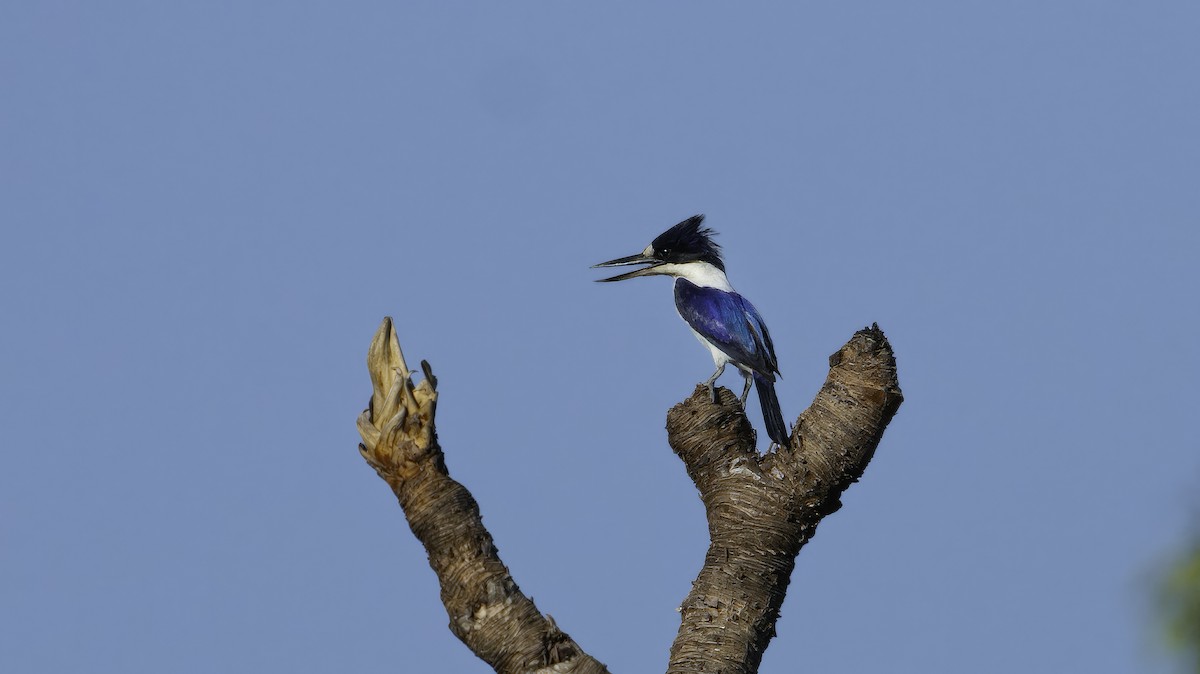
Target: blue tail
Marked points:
772	415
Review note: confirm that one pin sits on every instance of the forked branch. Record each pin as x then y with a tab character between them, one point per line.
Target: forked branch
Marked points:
761	509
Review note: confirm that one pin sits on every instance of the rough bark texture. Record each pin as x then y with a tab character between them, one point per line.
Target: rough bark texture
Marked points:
488	612
761	509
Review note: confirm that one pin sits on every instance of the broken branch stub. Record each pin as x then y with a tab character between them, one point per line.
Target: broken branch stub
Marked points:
487	610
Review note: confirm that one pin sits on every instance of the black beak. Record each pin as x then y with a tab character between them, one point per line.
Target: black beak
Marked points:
640	258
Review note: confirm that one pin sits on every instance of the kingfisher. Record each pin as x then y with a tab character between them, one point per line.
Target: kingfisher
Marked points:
724	321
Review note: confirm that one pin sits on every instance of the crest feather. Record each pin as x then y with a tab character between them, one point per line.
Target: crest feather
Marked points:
688	241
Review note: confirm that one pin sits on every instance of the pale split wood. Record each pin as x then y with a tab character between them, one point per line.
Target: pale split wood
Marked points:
487	609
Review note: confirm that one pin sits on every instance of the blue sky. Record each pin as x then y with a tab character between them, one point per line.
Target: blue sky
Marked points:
208	207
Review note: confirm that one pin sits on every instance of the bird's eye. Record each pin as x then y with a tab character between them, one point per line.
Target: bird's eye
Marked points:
664	253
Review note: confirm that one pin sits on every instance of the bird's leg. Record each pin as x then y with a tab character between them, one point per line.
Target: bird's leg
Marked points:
746	391
712	392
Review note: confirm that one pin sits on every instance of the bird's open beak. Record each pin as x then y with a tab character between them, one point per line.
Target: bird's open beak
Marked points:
640	258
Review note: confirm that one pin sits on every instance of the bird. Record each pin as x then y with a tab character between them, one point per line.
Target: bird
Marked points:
724	321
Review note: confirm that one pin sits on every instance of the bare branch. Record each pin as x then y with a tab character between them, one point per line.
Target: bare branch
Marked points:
763	509
487	610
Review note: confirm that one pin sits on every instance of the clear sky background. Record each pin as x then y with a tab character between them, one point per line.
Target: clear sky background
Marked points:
207	209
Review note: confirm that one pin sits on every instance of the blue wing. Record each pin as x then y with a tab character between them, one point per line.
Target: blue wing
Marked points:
730	322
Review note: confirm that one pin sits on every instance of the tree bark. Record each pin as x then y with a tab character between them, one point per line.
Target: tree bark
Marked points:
761	509
488	612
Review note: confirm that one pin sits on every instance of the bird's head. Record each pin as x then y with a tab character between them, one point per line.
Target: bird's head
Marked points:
684	244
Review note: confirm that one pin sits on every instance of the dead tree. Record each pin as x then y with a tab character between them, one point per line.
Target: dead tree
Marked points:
762	508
